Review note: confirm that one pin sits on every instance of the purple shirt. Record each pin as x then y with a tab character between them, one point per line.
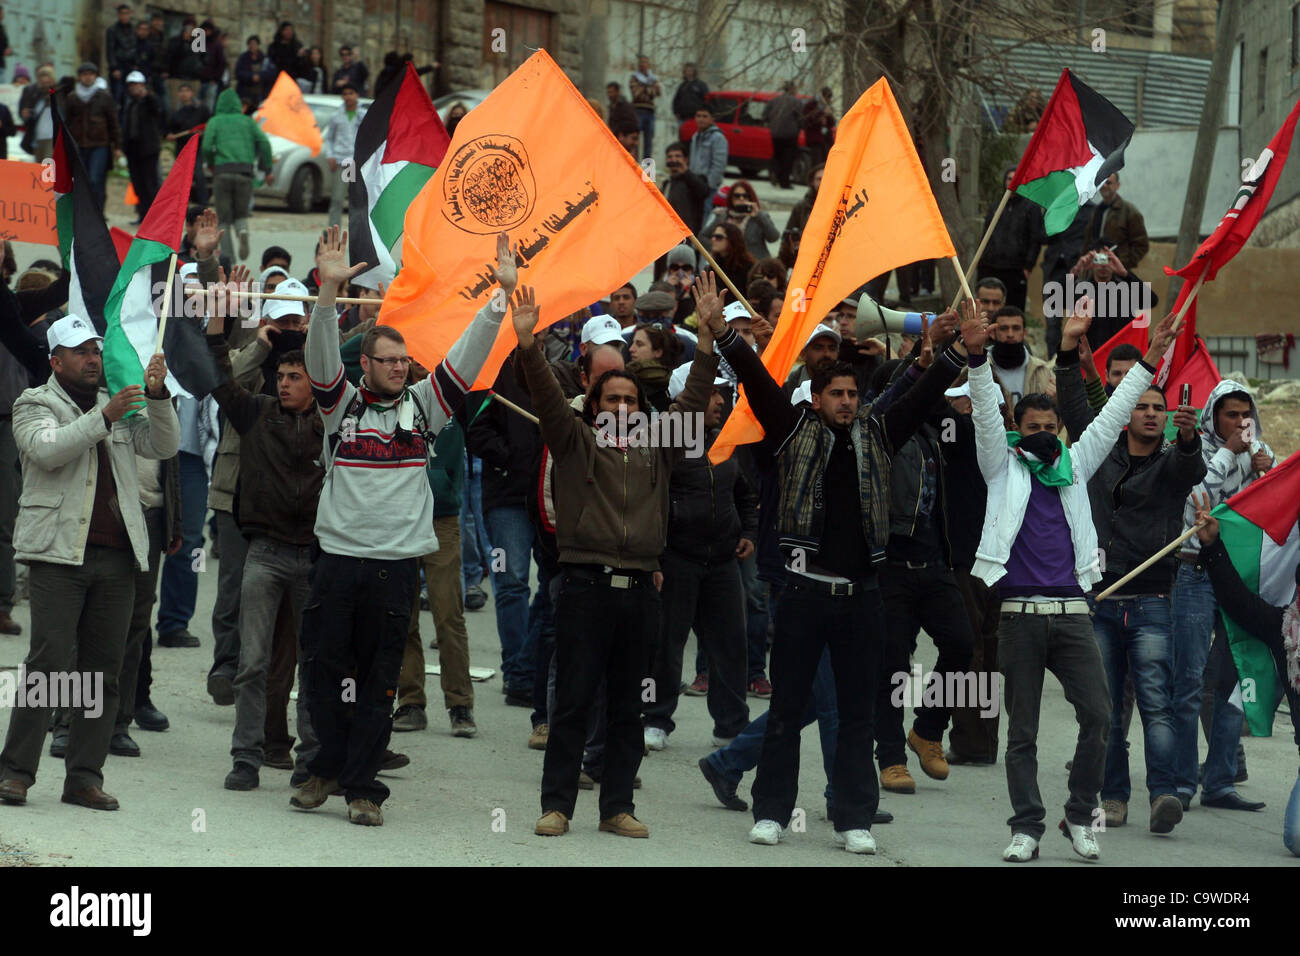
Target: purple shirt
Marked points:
1042	557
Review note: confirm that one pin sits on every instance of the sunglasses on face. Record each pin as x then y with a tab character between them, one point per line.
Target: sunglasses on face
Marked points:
678	267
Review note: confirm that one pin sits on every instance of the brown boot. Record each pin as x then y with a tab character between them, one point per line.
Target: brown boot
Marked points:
626	825
92	798
896	779
8	625
552	823
933	762
313	793
13	791
365	813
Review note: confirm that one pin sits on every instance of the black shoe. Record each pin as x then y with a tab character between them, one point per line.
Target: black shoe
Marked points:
1186	801
393	761
243	777
181	638
475	598
515	698
59	744
149	717
221	688
725	793
882	816
1232	801
275	759
122	745
958	759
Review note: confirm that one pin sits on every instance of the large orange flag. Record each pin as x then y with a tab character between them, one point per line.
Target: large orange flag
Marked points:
535	161
874	212
285	113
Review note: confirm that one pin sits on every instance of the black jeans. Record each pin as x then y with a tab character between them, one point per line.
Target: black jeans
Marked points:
973	735
807	621
353	637
918	598
711	600
600	631
783	151
144	178
1029	645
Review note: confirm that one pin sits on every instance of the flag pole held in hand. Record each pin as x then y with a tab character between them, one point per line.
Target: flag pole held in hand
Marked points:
1151	560
166	306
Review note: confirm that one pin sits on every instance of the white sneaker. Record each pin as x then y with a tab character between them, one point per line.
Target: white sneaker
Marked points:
1082	839
1023	848
856	841
721	742
655	738
766	833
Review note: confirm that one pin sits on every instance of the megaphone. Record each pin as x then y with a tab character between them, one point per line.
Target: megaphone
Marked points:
874	317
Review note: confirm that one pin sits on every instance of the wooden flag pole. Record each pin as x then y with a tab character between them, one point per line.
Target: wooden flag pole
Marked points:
979	250
289	297
1191	297
1151	560
965	286
166	308
717	270
515	408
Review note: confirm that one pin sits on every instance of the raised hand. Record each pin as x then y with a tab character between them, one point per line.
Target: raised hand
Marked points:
1086	361
708	301
1077	325
1207	526
763	330
927	345
505	272
942	327
1161	336
207	234
1185	422
155	377
975	332
332	260
525	315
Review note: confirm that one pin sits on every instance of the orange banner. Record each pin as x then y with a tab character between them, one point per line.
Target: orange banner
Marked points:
874	212
285	113
27	212
534	161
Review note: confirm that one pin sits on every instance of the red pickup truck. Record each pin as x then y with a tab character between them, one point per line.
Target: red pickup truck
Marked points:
739	114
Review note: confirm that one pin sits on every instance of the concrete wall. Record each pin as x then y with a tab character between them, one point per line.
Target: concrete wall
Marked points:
1267	26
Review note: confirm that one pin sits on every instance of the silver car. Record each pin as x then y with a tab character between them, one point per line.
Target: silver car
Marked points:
299	178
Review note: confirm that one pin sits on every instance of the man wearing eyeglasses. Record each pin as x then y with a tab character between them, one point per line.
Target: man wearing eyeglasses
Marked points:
82	532
374	521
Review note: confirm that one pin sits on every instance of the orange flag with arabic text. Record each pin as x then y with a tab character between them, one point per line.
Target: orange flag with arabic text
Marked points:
874	212
532	160
285	113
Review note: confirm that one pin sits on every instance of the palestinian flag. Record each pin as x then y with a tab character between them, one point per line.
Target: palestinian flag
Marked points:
1079	142
131	337
84	243
1258	527
400	144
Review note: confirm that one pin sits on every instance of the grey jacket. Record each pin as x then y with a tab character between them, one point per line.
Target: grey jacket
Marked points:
56	445
709	157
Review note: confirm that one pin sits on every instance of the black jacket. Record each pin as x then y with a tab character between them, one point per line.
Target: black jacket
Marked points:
284	55
187	117
689	98
17	311
1018	236
965	492
183	62
710	508
905	489
142	125
509	444
686	192
1137	507
119	47
279	478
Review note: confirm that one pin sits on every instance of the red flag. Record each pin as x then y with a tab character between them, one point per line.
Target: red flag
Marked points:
1199	371
165	220
121	242
1129	335
1248	206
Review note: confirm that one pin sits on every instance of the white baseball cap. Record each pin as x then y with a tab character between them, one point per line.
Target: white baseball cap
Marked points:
677	381
279	308
819	330
735	310
189	270
802	394
602	330
135	76
959	391
71	331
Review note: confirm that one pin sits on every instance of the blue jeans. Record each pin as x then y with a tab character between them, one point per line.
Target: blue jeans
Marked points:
1134	634
513	533
755	617
645	121
96	159
180	584
474	547
741	755
1194	609
1291	824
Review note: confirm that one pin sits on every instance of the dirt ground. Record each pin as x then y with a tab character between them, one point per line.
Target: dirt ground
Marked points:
1281	427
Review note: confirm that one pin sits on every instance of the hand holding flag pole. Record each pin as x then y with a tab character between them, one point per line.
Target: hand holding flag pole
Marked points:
1152	560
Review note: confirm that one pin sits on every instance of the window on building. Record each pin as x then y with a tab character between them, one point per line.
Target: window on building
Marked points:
1295	35
1261	80
520	30
1123	16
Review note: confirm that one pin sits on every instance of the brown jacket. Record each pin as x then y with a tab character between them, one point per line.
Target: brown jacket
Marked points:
93	123
611	505
1124	227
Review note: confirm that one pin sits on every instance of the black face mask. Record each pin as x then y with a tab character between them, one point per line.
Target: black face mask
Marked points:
287	340
1042	445
1007	355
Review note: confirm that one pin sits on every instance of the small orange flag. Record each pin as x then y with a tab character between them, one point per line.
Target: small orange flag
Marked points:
131	198
285	113
534	161
874	212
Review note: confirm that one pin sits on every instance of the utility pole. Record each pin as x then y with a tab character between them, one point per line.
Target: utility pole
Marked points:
1207	137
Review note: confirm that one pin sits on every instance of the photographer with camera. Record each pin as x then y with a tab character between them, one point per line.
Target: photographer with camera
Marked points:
1119	295
743	212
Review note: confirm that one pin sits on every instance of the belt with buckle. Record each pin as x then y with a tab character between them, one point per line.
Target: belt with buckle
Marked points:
620	578
1189	557
910	565
830	588
1070	606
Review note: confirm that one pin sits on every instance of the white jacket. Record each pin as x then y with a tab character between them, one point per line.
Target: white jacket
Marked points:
56	444
1008	480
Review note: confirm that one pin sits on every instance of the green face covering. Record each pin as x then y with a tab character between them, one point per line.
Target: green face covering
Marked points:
1056	474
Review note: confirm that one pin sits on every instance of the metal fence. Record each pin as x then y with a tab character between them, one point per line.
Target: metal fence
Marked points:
1238	353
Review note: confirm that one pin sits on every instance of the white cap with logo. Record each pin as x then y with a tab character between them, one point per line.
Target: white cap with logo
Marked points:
819	330
135	76
735	310
677	381
602	330
279	308
71	331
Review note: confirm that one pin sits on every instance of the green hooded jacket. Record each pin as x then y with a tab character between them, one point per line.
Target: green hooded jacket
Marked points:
233	142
